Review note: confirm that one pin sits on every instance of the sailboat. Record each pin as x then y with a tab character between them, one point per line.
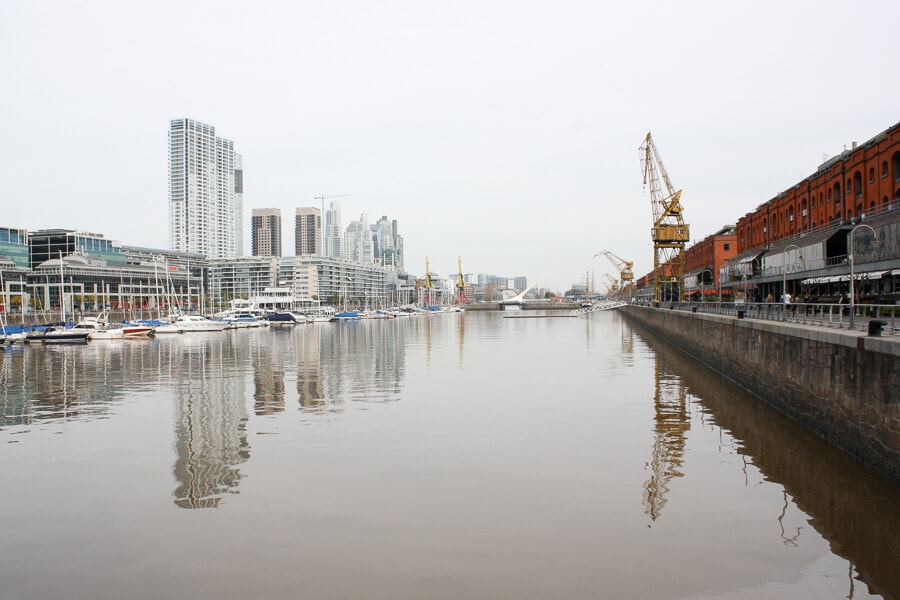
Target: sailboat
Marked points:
62	334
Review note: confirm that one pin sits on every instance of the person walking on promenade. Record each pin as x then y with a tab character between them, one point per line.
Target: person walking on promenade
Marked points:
786	298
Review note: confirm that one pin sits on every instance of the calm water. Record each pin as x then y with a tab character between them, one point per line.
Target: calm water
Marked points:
451	456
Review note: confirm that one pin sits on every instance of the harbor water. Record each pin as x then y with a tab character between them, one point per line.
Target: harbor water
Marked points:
462	455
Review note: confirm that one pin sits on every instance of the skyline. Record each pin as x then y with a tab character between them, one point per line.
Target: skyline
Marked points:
505	133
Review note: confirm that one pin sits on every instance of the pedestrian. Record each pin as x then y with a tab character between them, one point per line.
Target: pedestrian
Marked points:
786	298
769	300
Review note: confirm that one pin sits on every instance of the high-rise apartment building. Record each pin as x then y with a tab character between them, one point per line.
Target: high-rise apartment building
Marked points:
358	241
265	231
308	232
204	211
238	205
333	233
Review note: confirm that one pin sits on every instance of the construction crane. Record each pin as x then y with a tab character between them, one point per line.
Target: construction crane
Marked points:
622	265
669	232
461	297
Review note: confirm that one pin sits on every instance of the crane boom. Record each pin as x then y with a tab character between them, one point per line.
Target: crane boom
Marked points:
669	232
624	266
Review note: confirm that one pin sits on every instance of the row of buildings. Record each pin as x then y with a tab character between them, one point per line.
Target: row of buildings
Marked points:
204	267
808	240
44	271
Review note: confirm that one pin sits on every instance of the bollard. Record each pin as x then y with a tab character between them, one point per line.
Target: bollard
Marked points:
875	326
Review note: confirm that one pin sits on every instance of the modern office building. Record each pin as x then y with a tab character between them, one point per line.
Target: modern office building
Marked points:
308	232
333	233
265	232
14	246
204	211
388	244
358	241
48	244
244	277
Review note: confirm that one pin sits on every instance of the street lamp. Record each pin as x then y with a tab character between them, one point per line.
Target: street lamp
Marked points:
850	258
784	272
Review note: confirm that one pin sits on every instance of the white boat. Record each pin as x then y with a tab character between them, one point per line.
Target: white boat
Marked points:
197	323
323	314
98	328
165	326
241	321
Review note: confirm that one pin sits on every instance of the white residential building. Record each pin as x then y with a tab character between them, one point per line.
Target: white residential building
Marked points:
204	196
358	245
333	234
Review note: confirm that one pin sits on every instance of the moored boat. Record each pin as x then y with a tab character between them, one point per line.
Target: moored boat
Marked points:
194	323
282	318
61	335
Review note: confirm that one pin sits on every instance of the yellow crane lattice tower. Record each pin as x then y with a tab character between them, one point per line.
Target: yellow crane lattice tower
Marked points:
461	297
669	232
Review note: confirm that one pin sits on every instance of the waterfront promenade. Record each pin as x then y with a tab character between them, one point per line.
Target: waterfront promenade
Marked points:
839	381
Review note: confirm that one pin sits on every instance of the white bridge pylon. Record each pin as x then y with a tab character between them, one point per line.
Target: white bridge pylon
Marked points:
597	306
519	298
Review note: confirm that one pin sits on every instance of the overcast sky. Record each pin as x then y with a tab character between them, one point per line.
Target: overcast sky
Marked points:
503	132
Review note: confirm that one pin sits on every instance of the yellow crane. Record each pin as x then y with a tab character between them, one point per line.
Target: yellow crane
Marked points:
461	297
623	266
610	282
669	232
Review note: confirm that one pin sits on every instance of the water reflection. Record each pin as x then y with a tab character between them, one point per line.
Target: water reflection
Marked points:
55	383
832	493
671	420
210	417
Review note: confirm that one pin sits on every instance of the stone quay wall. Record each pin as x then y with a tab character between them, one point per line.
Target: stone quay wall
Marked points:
844	386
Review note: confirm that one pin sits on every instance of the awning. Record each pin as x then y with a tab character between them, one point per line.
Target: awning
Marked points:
752	257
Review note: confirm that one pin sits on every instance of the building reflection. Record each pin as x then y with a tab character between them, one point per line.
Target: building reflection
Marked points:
351	362
671	421
210	421
57	383
268	380
310	382
836	492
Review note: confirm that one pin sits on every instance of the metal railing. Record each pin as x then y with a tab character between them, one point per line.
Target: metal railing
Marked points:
836	316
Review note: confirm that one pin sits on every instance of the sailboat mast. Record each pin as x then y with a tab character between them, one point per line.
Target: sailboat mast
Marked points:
62	289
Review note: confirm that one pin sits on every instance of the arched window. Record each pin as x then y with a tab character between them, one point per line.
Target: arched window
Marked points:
857	184
837	194
895	165
885	202
884	170
871	174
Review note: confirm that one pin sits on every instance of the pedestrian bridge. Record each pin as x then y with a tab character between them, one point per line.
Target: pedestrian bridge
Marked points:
597	306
